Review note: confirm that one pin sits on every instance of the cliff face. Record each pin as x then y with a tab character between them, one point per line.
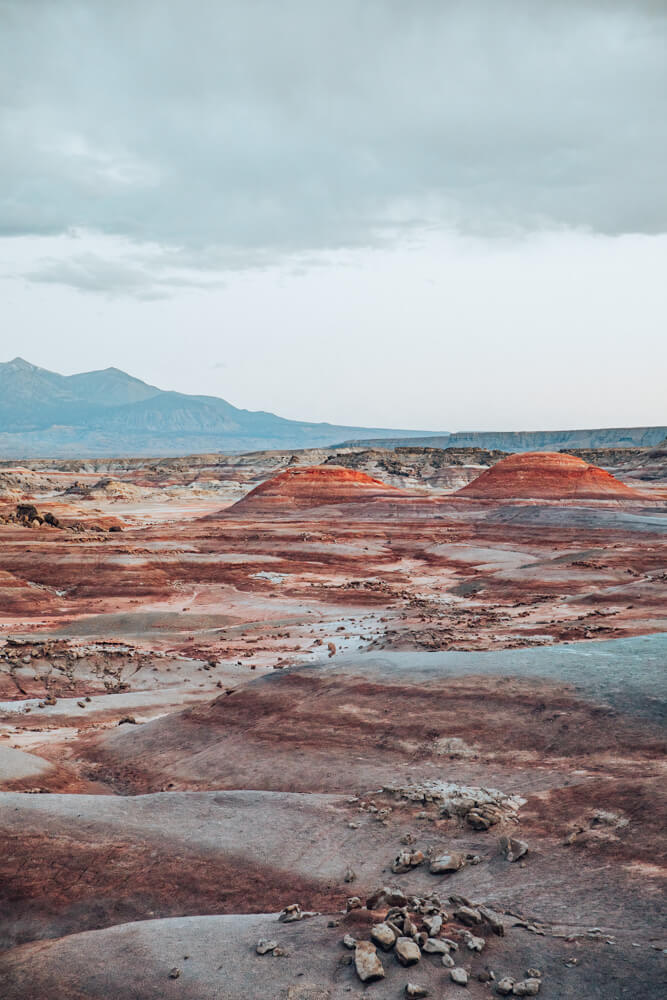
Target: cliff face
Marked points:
513	441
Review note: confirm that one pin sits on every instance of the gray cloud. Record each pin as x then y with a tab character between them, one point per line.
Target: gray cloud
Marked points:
148	275
239	131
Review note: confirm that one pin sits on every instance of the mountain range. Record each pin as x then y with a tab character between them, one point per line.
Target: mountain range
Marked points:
109	412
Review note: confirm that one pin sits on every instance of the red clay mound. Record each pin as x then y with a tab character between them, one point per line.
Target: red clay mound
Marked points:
547	476
314	486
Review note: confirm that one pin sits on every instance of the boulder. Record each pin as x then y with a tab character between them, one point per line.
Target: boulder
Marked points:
505	986
407	951
445	864
512	848
384	935
436	946
263	946
366	962
468	915
459	976
386	897
526	988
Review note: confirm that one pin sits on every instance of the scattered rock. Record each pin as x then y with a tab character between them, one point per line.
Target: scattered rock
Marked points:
407	951
368	965
349	941
459	976
353	903
386	898
444	864
468	915
413	990
436	946
433	924
349	876
474	943
512	848
407	860
493	920
291	913
526	988
263	946
505	986
384	935
174	973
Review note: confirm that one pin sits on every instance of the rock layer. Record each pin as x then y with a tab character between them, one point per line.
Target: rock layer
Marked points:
547	476
315	486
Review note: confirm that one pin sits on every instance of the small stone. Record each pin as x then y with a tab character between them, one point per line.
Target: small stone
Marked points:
279	952
493	920
468	915
406	860
349	941
290	914
527	988
444	864
459	976
353	903
413	990
433	924
512	848
174	973
407	951
368	965
386	897
263	946
409	928
534	973
448	961
435	946
474	943
349	876
383	935
485	976
505	986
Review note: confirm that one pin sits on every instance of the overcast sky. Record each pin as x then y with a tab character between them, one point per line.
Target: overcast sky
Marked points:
430	214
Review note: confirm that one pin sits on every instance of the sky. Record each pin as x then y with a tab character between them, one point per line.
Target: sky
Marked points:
439	215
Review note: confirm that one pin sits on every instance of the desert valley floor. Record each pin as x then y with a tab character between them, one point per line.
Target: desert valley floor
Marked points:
407	732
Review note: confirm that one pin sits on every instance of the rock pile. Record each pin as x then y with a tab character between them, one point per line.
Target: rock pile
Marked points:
28	515
414	926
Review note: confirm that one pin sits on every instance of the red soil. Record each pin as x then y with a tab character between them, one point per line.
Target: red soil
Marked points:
309	486
547	476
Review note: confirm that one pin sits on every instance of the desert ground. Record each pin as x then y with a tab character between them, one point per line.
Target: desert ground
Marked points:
334	723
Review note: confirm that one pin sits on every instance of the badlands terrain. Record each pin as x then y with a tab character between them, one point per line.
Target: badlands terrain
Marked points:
334	723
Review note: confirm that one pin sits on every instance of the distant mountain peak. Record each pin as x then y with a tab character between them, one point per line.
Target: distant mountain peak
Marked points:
20	364
110	412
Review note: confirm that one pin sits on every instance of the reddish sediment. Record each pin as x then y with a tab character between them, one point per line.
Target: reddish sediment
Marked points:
547	476
310	486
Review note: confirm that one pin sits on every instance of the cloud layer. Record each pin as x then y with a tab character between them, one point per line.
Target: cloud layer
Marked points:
241	131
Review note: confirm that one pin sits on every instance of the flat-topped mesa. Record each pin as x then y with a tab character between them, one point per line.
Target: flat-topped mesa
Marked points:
316	486
547	475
